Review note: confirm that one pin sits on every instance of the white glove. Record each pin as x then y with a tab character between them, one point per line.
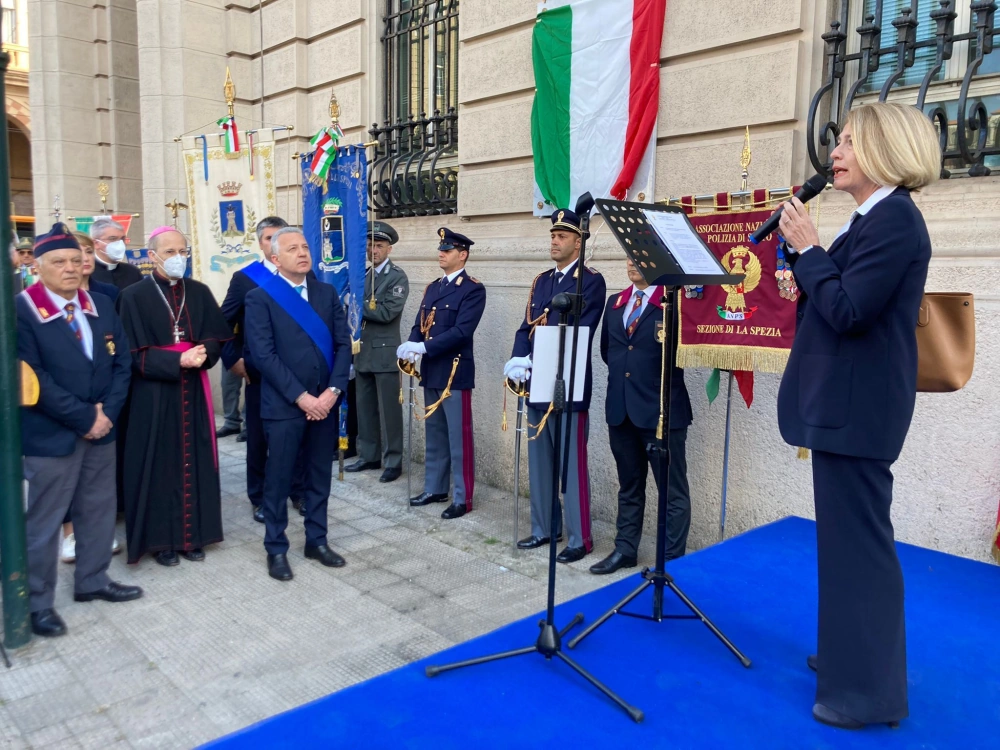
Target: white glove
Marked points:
411	351
518	369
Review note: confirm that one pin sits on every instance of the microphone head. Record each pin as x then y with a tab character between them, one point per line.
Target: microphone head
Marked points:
562	301
813	187
584	205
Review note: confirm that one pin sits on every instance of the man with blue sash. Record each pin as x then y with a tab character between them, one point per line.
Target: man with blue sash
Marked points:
298	337
564	248
441	339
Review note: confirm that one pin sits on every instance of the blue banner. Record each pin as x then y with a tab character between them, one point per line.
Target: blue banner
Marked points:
335	222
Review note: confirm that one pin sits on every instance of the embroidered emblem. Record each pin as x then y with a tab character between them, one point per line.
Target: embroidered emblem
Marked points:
397	291
560	216
458	281
109	343
441	233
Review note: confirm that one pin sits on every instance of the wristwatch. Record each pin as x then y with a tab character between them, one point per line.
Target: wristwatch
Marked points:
336	391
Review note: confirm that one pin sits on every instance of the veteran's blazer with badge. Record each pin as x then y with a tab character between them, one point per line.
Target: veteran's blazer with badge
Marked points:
446	323
538	313
634	365
70	382
380	334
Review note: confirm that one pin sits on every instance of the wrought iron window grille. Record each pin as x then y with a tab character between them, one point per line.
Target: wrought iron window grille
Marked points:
970	135
415	169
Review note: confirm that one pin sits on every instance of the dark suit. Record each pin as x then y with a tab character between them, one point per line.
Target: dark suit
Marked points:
450	313
543	446
290	364
848	394
61	467
634	366
234	310
380	429
108	290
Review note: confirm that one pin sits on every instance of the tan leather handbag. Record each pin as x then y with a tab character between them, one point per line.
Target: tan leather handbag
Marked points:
946	341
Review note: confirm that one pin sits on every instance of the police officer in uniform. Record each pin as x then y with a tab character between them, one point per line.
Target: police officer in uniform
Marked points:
380	415
633	353
564	249
441	340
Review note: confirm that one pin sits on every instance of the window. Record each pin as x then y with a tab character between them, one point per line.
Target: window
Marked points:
9	22
415	170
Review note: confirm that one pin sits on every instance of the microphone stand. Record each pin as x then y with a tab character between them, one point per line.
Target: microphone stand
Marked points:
658	577
549	643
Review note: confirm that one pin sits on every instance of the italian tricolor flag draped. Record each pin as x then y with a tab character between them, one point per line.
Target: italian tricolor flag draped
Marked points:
597	80
230	135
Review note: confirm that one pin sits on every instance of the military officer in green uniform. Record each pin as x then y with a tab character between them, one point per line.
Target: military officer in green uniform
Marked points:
380	415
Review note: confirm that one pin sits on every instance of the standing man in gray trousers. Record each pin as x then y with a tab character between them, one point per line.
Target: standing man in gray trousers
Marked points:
380	415
75	344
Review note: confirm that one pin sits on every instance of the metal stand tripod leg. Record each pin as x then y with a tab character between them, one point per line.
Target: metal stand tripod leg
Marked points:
607	615
709	624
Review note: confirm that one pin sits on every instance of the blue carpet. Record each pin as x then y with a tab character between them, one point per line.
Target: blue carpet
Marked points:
760	589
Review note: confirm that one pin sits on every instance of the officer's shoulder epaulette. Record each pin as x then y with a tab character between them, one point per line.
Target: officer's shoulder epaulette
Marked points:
474	280
592	271
546	271
428	287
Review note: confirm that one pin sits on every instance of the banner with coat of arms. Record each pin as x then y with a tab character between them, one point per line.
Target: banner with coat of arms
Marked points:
334	222
228	193
748	326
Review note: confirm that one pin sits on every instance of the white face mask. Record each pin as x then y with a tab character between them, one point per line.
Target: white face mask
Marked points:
175	267
115	250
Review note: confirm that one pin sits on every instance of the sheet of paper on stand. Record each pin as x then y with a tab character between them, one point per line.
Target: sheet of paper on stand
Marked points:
683	242
544	357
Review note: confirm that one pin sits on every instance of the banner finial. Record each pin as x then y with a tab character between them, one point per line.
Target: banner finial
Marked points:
229	90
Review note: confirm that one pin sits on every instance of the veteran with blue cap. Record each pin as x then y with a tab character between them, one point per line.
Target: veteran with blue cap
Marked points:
380	415
75	343
566	235
441	346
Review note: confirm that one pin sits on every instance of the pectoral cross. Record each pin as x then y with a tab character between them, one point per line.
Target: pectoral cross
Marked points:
179	335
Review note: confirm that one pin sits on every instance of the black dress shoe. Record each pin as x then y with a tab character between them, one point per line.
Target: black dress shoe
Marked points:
571	554
226	431
167	557
362	465
426	498
278	567
615	561
242	437
46	622
390	475
258	513
194	555
454	511
113	592
326	556
825	715
811	662
533	542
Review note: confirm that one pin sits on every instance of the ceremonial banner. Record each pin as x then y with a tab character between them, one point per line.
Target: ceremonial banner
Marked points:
225	201
334	221
597	79
747	326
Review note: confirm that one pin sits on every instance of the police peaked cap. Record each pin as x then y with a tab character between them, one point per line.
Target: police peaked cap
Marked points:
453	240
57	238
563	218
379	230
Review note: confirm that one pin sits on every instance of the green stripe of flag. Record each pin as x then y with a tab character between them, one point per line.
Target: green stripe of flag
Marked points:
552	55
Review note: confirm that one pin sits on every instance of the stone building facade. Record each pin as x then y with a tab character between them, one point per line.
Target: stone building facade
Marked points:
115	81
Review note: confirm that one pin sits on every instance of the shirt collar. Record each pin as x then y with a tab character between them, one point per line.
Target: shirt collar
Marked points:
305	282
82	300
454	274
881	194
381	266
270	266
568	270
109	266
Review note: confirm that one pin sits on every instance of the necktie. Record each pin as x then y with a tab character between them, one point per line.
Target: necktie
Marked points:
444	281
633	316
559	277
299	288
74	324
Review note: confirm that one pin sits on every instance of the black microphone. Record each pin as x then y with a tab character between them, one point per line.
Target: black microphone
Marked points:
562	302
813	187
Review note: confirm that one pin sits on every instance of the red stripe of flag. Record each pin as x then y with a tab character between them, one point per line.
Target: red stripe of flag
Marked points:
644	87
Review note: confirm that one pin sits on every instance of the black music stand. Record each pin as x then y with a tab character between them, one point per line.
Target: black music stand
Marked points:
549	642
660	266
